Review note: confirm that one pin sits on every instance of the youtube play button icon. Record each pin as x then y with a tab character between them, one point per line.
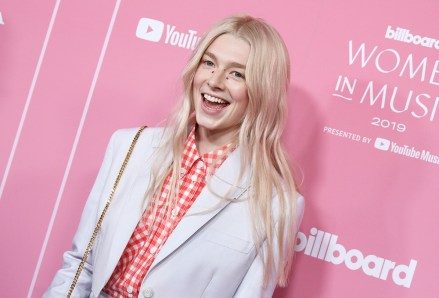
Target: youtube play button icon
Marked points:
382	144
149	29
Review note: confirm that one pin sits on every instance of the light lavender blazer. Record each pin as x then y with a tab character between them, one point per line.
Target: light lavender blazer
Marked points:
210	254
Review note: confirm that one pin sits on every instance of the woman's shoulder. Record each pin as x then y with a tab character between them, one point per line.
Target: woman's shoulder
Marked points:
122	139
295	200
126	135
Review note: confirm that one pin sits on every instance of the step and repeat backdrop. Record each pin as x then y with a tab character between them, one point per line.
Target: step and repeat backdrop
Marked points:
362	128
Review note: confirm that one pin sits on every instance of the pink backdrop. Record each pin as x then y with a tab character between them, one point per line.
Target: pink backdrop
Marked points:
363	113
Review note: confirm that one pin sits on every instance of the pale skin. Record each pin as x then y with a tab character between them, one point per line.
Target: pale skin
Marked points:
220	92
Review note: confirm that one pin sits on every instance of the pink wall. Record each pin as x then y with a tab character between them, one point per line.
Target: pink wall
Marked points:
71	72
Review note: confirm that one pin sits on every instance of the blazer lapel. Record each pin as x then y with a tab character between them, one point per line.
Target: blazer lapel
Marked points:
224	184
208	204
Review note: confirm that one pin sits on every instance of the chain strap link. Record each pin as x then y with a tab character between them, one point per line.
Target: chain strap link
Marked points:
101	218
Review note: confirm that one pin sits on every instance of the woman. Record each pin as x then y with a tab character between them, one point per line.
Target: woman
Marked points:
207	207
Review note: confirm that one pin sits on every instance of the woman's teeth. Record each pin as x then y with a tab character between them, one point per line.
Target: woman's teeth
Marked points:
214	99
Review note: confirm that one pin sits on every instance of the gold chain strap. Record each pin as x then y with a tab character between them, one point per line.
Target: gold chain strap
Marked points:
101	218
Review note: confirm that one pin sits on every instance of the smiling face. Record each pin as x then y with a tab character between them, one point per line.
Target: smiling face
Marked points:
220	90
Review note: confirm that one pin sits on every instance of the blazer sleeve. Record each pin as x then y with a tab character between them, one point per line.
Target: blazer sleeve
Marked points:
251	285
71	259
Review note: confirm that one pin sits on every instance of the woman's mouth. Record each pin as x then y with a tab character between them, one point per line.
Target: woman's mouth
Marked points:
214	103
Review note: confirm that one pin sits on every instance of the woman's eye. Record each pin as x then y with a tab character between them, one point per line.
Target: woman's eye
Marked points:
208	63
237	74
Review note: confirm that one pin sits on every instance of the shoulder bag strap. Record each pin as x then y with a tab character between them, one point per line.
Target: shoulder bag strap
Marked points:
101	218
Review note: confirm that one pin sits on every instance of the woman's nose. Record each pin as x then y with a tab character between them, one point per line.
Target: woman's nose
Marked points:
216	79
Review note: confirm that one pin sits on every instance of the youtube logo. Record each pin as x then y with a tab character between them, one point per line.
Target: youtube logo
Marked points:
382	144
153	30
149	29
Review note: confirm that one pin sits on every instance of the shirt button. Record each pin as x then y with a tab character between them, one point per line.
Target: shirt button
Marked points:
194	178
174	213
148	292
200	164
130	289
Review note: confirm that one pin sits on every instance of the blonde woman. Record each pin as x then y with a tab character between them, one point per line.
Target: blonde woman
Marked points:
207	207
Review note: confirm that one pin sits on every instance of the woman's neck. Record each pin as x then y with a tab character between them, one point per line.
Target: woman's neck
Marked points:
209	140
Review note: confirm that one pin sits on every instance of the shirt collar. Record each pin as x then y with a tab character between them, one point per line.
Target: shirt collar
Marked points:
211	160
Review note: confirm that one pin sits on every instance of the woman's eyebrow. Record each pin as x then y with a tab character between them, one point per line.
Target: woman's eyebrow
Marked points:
231	64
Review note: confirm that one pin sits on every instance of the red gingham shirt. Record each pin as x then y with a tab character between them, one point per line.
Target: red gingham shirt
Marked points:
149	237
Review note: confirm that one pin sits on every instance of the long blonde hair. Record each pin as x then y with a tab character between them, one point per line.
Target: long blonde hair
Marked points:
267	77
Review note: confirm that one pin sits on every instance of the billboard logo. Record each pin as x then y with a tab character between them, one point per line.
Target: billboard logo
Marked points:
404	35
149	29
324	246
382	144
